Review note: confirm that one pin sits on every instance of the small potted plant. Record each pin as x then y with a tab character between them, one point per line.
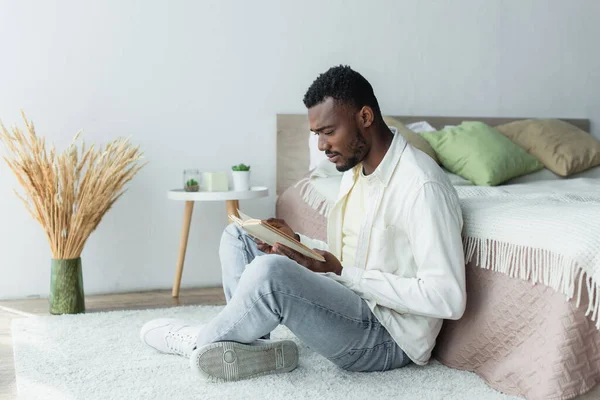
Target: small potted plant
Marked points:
192	185
241	177
191	177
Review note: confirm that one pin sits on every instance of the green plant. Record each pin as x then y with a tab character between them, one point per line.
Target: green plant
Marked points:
191	182
241	167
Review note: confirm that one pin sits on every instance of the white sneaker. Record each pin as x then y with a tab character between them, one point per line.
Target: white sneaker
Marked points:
170	336
232	361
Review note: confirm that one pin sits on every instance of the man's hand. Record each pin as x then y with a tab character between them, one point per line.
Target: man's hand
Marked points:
283	227
331	263
262	246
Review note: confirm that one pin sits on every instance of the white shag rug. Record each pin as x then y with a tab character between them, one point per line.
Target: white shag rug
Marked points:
100	356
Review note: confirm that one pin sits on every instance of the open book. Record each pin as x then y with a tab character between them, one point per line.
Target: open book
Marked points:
266	233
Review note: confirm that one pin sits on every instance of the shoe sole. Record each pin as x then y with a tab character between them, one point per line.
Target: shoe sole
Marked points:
232	361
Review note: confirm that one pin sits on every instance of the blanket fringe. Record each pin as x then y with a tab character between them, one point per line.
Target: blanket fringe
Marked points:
313	197
535	265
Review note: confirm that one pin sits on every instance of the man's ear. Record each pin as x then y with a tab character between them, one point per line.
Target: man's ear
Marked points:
366	117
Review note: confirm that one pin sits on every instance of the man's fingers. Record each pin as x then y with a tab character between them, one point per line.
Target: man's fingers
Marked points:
277	223
284	251
324	253
262	246
291	254
265	248
280	249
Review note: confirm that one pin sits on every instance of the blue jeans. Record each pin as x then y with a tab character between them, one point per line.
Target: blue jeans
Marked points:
265	290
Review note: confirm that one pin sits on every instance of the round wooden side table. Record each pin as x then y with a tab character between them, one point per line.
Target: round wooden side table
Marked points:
231	199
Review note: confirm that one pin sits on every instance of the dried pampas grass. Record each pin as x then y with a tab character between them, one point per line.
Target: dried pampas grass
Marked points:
68	193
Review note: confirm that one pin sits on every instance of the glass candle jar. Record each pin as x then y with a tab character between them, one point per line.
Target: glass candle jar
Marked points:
191	180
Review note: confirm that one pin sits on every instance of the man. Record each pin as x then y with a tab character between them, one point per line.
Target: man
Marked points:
393	270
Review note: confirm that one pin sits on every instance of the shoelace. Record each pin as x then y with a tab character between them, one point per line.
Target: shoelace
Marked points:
180	344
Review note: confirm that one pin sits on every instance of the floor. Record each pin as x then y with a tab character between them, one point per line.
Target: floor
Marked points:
128	301
10	310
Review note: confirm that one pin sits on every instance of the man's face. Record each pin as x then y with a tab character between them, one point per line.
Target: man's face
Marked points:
340	137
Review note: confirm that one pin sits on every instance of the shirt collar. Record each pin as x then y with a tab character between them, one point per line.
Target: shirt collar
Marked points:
386	167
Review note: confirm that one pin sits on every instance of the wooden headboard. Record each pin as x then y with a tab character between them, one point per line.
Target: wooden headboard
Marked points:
293	133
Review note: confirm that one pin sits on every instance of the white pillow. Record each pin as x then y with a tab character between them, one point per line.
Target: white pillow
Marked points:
542	175
547	175
316	155
457	180
421	126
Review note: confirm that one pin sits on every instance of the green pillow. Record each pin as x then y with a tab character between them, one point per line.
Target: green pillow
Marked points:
480	153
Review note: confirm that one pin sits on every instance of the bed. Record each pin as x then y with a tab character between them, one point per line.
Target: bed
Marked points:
525	334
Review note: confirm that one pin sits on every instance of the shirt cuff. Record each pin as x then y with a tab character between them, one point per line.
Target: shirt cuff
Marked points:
303	239
353	275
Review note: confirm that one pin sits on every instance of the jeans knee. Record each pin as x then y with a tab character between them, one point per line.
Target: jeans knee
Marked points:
231	251
269	268
232	230
264	266
231	236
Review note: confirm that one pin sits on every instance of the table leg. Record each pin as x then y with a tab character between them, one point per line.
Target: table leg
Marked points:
232	207
185	231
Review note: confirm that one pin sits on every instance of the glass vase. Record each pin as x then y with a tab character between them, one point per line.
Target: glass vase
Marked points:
191	180
66	287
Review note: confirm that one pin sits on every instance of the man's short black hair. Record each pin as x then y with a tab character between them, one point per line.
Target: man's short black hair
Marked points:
345	86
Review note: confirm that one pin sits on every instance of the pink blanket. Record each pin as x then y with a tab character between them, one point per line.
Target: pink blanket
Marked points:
523	340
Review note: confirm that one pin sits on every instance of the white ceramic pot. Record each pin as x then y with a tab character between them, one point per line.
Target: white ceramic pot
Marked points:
241	180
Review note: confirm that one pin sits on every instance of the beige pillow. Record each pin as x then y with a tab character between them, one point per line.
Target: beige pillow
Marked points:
562	148
411	137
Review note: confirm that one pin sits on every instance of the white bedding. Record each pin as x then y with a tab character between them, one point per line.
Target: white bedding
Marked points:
544	232
539	227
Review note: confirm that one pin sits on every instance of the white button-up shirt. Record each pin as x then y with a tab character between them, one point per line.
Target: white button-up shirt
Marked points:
409	265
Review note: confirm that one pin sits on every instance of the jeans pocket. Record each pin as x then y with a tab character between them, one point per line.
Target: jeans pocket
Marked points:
348	360
397	357
379	358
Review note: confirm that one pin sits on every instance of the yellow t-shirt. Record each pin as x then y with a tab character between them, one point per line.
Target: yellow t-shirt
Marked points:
353	214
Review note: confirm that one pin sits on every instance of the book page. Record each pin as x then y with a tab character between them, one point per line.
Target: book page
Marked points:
243	216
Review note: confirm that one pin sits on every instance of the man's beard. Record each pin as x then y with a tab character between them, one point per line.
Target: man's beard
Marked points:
358	150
